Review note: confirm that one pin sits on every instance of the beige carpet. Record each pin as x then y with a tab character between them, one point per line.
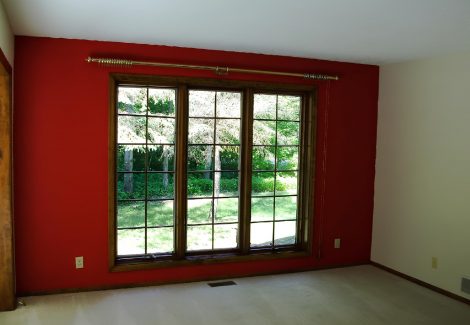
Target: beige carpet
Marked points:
355	295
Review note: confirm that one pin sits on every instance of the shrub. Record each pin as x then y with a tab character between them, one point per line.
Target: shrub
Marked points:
203	186
259	184
199	186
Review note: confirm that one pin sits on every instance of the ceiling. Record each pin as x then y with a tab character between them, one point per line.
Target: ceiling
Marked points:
364	31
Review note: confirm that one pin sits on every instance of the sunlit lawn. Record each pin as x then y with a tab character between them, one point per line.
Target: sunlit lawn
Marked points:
160	213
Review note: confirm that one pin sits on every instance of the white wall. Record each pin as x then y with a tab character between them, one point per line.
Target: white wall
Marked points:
7	40
422	186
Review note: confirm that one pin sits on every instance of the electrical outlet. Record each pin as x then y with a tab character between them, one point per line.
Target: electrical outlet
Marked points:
79	262
434	262
337	242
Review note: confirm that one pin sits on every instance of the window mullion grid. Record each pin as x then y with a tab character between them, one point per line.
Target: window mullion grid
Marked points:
245	171
300	173
275	174
181	197
304	172
113	246
213	168
146	164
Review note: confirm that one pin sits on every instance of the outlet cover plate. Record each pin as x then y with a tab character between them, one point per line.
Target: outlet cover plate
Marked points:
337	242
79	262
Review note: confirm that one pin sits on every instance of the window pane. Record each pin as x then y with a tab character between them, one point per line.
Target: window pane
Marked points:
130	214
288	133
161	158
264	106
160	240
262	184
261	234
161	130
275	147
229	157
263	158
131	129
145	160
130	186
200	184
286	207
160	213
226	184
262	209
199	211
130	241
227	210
201	103
160	185
286	183
130	158
287	158
162	101
132	100
288	108
284	233
228	131
264	132
200	131
200	158
228	104
199	238
226	236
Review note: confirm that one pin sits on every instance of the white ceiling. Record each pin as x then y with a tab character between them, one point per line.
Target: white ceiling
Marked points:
365	31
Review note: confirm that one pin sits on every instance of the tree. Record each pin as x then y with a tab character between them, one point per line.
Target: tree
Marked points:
211	114
213	132
136	129
130	100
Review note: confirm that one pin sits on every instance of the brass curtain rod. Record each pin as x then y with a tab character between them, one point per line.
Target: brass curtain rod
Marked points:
216	70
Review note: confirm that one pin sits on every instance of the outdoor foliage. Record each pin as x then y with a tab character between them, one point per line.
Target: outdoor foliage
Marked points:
146	142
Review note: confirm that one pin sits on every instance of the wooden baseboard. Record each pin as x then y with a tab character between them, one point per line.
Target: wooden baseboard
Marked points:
422	283
159	283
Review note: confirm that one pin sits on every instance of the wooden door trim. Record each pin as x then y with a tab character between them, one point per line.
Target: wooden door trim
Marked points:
7	267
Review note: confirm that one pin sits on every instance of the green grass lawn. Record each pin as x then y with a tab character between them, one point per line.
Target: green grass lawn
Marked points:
160	213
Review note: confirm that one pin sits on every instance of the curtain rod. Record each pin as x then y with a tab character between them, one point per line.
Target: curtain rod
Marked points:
215	69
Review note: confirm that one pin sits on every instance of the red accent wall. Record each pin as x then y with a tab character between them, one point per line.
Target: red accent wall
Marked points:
61	163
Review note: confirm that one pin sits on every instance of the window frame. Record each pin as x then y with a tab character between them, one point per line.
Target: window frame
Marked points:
306	167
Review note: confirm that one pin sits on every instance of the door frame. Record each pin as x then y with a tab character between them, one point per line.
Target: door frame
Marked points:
7	255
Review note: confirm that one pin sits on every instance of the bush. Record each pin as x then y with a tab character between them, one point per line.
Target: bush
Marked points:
229	185
199	186
155	187
203	186
259	184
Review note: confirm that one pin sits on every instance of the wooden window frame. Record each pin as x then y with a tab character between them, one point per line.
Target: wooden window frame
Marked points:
303	247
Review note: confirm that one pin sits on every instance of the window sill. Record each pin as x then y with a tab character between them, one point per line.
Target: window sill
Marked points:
123	266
